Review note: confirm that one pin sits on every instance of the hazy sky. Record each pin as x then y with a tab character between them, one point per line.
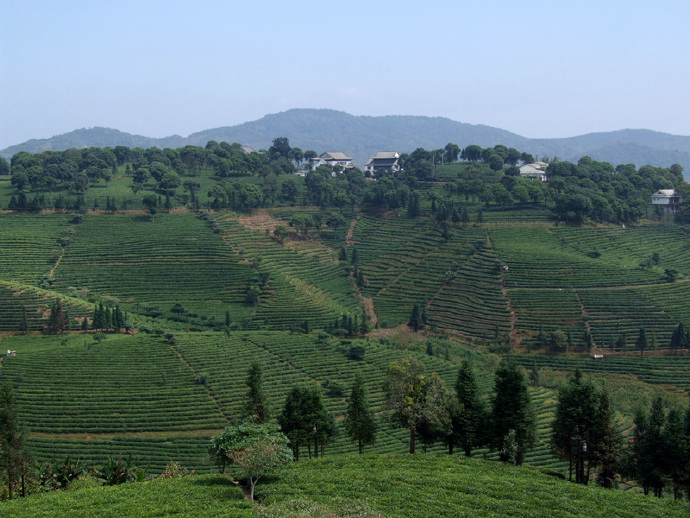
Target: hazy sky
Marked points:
537	68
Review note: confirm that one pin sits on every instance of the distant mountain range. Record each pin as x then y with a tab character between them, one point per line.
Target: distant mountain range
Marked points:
362	136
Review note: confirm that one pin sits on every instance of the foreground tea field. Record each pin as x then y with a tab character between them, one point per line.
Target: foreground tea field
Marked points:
363	485
440	485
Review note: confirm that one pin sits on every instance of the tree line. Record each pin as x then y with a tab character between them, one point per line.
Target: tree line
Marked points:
588	190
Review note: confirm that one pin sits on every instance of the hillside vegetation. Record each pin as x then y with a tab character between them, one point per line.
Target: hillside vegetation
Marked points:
130	322
352	485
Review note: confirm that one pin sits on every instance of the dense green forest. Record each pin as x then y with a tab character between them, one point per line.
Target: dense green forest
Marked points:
138	287
229	176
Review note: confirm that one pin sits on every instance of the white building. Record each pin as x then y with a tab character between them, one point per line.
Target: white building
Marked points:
332	159
668	199
383	160
534	170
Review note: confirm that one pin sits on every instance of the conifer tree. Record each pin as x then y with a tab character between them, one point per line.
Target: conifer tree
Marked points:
56	321
360	279
24	324
108	319
511	409
359	422
13	454
473	414
415	320
679	338
604	451
641	342
256	406
118	318
677	463
574	421
98	321
534	374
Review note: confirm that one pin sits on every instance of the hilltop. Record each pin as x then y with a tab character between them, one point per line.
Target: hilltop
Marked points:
362	136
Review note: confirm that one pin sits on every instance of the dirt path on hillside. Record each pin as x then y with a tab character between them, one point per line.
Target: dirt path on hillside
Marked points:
368	305
351	231
260	220
514	339
59	260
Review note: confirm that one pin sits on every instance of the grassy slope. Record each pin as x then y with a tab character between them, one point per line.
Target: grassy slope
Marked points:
352	485
182	497
413	486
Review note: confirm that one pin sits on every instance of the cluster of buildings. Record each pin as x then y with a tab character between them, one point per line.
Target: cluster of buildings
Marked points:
384	160
666	199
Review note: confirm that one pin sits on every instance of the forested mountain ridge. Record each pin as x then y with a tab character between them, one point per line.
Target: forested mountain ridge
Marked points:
362	136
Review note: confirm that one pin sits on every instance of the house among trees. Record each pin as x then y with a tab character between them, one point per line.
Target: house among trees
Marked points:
333	159
666	199
383	160
534	170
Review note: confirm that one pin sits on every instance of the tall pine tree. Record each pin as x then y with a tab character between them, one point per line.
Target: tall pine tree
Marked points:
511	409
359	422
473	413
255	407
574	421
56	321
13	455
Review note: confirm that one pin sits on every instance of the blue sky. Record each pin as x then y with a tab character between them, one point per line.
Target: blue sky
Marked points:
156	68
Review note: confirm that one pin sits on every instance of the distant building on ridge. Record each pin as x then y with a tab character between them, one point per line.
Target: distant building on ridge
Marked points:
332	159
383	160
668	199
534	170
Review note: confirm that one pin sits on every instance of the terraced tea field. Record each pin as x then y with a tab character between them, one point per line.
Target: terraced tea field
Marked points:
537	257
472	301
140	395
174	259
30	245
305	284
668	371
23	306
162	401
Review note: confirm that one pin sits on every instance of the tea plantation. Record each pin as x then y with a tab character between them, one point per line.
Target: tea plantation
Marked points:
209	293
353	485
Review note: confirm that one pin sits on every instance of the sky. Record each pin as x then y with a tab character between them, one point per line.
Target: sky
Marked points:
156	68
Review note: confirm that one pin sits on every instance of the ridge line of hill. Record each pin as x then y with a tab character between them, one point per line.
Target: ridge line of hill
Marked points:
362	136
